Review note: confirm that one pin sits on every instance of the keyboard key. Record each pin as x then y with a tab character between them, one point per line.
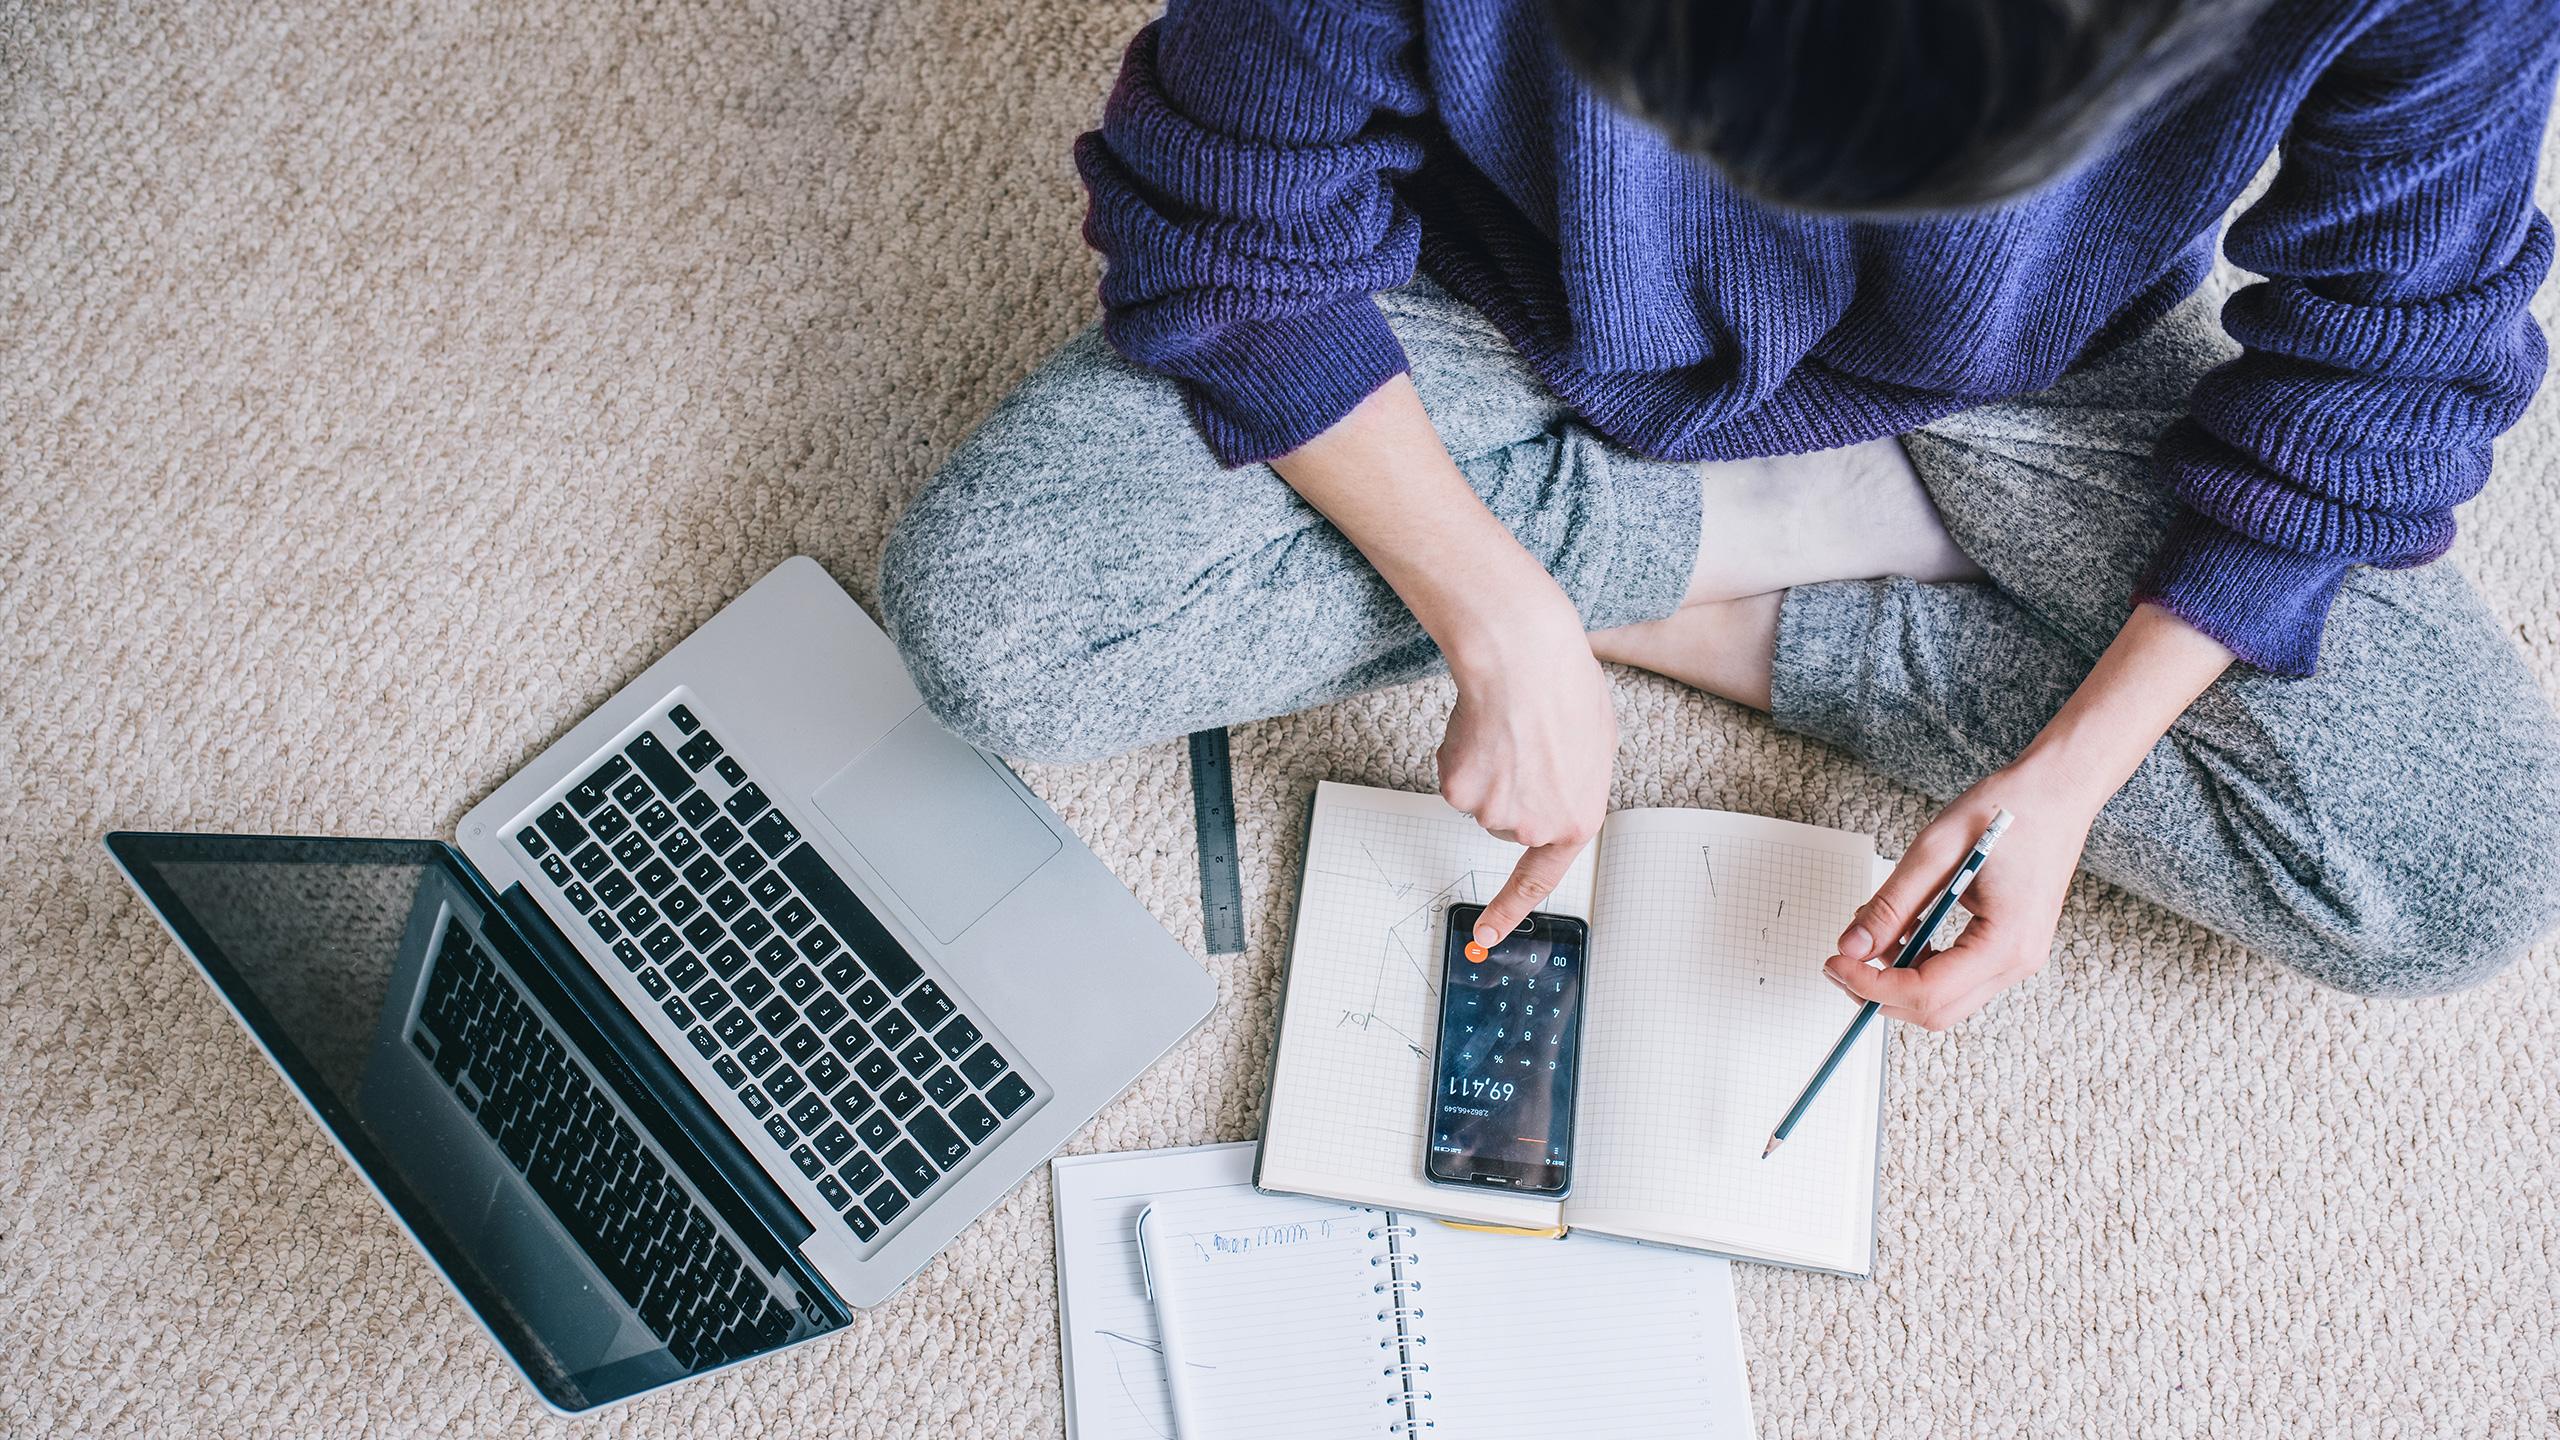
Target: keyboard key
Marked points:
699	751
734	1027
833	1191
655	984
679	846
728	768
885	1202
918	1056
808	1161
656	876
656	818
632	849
945	1085
802	1043
704	932
876	1129
533	843
661	942
754	1100
1009	1094
639	914
800	982
850	918
751	987
590	861
776	1016
776	955
929	1005
726	901
955	1038
851	1040
819	943
747	803
562	828
893	1028
876	1068
698	807
826	1012
759	1055
774	834
720	835
901	1096
710	998
826	1073
663	769
973	1119
811	1113
702	1041
703	873
726	960
983	1066
580	897
632	793
744	862
751	927
614	888
770	890
861	1172
780	1129
628	954
731	1073
677	1010
605	926
784	1084
794	916
687	972
843	972
858	1219
683	720
851	1101
907	1165
835	1142
869	999
942	1145
554	870
609	823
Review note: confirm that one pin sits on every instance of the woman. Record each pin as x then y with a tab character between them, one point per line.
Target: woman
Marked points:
1689	267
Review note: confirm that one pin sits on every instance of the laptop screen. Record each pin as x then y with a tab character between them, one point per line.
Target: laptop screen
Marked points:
374	975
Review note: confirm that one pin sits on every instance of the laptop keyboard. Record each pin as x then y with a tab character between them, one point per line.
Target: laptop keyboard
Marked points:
659	1248
863	1071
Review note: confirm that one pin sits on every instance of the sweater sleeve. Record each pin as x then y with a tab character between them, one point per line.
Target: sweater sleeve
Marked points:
2389	341
1242	195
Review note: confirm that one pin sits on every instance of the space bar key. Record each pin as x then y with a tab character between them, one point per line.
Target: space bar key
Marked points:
840	907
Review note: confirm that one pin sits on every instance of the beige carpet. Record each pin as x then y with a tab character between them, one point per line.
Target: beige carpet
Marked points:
381	387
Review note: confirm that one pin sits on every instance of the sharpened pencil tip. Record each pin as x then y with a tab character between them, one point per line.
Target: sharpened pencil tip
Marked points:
1772	1148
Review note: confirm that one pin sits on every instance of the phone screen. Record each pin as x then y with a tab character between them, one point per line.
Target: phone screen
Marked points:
1502	1089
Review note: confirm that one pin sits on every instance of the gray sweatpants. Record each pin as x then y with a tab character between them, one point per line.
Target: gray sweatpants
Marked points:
1083	578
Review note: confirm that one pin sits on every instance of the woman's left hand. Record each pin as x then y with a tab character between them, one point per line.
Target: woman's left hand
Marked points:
2015	900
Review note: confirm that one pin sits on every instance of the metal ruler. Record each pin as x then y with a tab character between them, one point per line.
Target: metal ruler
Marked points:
1213	815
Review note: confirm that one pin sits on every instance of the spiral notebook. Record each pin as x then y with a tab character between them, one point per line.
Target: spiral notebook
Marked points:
1284	1318
1706	1009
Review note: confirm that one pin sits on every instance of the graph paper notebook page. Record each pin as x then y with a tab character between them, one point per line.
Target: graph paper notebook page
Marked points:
1706	1010
1297	1318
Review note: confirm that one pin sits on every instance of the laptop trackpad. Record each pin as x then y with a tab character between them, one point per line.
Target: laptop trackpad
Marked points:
931	815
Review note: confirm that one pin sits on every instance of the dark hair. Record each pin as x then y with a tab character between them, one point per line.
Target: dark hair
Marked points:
1889	106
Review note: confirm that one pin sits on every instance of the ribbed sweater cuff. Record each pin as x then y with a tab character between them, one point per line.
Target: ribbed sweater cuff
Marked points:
2268	605
1262	388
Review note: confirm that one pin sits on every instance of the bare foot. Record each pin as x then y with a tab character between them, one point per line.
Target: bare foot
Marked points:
1850	514
1724	647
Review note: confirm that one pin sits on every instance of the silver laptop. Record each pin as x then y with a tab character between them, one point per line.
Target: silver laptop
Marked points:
730	1010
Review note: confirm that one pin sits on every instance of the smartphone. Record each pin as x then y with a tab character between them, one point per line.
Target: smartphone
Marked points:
1510	1025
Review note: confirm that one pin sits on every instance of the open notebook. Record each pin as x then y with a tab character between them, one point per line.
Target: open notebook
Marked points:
1705	1011
1283	1318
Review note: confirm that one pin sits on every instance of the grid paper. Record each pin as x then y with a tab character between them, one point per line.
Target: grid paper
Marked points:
1351	1081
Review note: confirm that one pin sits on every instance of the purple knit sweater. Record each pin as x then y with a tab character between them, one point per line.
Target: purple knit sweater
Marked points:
1263	166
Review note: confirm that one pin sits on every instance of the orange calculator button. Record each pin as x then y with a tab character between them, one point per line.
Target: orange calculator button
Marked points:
1475	952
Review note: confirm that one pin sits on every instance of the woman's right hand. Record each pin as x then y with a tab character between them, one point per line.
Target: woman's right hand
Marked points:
1531	742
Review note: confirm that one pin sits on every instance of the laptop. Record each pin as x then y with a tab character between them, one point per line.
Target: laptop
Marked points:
716	1021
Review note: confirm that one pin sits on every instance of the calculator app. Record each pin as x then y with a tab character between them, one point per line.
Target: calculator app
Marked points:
1508	1026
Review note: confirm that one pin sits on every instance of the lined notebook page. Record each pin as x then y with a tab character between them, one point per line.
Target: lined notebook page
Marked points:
1351	1073
1270	1311
1107	1340
1593	1338
1707	1012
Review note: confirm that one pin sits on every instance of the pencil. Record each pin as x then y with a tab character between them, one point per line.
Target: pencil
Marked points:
1912	950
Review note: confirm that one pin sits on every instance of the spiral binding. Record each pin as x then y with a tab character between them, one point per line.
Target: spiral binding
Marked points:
1400	1312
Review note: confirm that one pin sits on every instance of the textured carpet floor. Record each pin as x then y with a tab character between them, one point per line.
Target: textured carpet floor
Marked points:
380	387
